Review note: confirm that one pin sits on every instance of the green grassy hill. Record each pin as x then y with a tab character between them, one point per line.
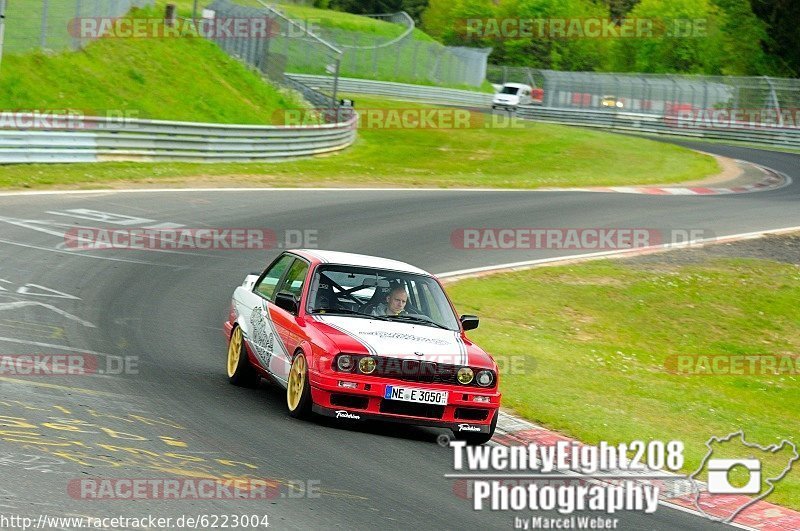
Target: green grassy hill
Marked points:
173	79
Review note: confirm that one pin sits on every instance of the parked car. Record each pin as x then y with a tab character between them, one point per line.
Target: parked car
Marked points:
512	95
611	101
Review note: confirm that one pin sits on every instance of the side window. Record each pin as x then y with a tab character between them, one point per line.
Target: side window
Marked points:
266	286
293	283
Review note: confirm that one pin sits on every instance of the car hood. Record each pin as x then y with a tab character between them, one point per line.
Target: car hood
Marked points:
402	340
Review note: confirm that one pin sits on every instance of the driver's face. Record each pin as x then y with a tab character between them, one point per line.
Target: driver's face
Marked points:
397	301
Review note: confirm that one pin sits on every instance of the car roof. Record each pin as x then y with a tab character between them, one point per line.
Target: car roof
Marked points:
340	258
517	85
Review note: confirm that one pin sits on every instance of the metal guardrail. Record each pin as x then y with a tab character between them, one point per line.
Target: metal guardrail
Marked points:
92	139
400	91
664	125
603	119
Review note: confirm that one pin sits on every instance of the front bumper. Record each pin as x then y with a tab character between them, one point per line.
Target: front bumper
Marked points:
462	414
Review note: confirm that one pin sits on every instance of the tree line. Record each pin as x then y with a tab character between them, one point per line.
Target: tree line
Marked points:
715	37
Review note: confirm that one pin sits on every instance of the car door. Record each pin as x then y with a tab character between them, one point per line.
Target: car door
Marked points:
287	325
253	307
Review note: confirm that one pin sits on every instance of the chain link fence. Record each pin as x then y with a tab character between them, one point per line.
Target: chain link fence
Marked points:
400	55
52	24
273	44
284	45
657	94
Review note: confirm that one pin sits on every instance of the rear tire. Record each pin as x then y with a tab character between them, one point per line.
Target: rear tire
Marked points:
240	372
475	439
298	388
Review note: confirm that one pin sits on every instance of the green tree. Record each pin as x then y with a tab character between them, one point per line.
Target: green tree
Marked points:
721	37
782	45
743	38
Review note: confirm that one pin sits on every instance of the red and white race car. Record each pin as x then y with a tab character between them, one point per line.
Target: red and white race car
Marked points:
357	337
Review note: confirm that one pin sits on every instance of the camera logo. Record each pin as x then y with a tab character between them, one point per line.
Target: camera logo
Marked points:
720	472
738	474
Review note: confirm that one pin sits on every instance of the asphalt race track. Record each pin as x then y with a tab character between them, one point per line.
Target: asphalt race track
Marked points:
163	310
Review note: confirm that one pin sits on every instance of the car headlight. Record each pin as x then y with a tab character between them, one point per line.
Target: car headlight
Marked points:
485	378
464	375
344	363
366	365
619	104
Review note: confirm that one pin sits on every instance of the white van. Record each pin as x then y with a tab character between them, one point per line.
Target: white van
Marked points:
512	95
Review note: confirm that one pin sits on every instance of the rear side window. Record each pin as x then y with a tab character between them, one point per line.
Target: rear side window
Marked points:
266	286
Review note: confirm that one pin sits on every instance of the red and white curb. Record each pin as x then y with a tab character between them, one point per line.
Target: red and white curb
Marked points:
772	181
677	494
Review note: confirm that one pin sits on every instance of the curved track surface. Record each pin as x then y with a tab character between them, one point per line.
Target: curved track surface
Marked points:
166	309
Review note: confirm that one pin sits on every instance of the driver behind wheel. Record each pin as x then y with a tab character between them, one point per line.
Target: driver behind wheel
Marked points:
395	303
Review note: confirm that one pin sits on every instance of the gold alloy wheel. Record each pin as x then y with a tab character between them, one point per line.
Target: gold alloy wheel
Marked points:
297	381
234	351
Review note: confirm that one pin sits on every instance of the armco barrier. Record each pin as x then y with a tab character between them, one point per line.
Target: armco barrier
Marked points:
615	120
664	125
399	91
98	139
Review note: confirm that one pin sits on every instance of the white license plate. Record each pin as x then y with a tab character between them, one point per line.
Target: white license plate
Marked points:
411	394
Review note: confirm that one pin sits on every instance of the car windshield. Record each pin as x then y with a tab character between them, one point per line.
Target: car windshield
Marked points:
509	90
363	292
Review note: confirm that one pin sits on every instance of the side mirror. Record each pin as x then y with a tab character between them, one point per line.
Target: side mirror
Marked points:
286	301
469	322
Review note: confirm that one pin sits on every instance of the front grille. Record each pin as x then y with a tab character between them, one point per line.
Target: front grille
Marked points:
471	413
416	371
397	407
412	370
349	401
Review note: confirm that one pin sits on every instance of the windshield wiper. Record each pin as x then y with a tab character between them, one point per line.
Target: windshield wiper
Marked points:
416	319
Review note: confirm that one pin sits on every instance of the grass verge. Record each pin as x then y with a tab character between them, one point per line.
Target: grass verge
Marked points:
599	340
532	156
172	79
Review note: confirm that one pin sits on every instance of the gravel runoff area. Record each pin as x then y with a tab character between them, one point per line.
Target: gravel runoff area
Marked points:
780	248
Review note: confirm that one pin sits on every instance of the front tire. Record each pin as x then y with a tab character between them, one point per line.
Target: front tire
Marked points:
298	388
475	439
240	372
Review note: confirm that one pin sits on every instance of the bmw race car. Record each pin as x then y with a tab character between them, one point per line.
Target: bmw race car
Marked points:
356	337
